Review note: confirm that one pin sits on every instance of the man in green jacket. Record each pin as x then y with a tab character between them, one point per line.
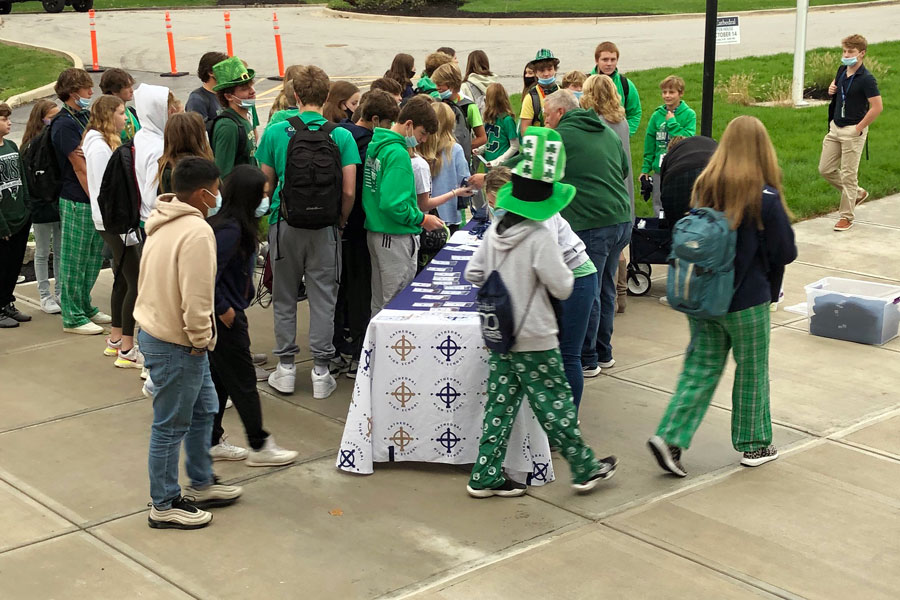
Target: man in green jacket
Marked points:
606	56
231	132
673	119
600	214
393	218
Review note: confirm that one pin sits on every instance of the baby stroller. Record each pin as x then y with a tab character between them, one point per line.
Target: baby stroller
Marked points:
651	241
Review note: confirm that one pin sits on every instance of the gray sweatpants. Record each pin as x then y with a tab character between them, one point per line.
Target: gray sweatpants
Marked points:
315	253
656	197
393	265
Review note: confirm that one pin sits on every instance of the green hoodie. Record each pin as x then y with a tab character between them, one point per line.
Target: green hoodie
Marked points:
632	106
597	166
660	131
389	189
426	86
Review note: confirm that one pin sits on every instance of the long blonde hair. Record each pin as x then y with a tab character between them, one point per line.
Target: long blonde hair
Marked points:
439	145
744	162
102	119
600	94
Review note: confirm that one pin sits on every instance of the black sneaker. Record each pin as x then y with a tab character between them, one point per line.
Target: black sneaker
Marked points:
668	457
759	457
507	489
606	471
182	515
7	322
14	313
354	369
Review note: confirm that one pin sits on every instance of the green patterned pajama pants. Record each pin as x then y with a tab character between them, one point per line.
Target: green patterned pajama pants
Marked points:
540	375
746	334
80	262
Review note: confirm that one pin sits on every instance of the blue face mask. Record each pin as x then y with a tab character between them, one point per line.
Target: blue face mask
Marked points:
497	213
445	95
263	207
545	81
248	103
849	61
83	103
214	209
411	141
578	95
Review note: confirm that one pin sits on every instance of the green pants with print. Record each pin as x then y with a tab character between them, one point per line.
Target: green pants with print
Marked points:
746	334
79	262
540	375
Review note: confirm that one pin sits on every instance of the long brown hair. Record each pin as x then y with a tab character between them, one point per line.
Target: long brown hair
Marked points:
744	162
35	123
478	63
102	119
401	69
600	94
340	91
185	135
496	103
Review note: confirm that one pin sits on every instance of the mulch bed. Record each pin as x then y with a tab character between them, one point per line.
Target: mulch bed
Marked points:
451	9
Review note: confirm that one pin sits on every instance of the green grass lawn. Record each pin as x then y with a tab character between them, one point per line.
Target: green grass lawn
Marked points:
632	6
23	69
796	133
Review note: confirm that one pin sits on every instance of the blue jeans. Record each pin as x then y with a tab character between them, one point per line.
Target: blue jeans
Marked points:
576	310
604	244
184	404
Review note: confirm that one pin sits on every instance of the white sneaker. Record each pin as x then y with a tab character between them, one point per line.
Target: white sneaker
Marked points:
101	318
773	307
133	359
145	373
270	455
50	306
112	348
607	364
146	391
323	385
283	377
86	329
229	404
589	372
225	450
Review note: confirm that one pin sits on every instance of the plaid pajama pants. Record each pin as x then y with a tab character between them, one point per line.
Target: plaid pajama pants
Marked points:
541	376
80	262
746	334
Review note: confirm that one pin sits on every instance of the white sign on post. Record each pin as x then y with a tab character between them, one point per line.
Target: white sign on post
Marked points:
728	31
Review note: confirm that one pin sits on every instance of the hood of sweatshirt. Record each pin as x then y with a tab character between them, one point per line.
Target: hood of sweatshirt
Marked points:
583	119
152	104
481	81
168	208
513	236
382	137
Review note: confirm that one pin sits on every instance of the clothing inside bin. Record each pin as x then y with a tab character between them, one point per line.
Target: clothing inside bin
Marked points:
851	319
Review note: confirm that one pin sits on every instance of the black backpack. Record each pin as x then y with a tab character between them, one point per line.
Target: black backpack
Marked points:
313	180
119	199
495	309
242	139
43	173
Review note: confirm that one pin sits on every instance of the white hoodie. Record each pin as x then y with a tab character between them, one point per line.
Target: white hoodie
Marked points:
152	104
96	156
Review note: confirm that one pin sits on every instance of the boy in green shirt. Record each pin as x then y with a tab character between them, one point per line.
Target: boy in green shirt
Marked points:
14	222
606	57
393	218
673	118
232	132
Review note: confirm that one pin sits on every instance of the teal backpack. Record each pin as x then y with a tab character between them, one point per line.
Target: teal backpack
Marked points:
701	264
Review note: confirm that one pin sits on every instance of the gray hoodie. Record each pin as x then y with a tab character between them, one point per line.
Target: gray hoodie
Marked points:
531	264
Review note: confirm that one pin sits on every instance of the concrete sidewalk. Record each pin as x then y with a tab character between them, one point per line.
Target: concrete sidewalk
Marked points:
821	522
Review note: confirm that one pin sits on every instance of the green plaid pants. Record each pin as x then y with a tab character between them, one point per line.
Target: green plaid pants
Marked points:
541	376
79	262
746	334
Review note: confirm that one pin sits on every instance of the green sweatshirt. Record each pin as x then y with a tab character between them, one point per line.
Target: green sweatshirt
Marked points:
426	86
633	110
13	212
225	142
389	189
660	131
597	166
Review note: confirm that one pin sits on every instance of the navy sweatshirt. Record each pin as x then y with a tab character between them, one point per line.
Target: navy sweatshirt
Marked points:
760	256
234	273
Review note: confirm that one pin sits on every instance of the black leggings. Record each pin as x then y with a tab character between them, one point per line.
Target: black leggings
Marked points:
126	262
12	251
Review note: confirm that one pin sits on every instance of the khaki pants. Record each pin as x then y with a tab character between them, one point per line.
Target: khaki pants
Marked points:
839	164
622	281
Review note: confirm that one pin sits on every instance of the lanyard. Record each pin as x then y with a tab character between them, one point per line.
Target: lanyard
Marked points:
75	117
844	91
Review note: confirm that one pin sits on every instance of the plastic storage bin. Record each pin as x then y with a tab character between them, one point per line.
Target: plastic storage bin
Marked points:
855	311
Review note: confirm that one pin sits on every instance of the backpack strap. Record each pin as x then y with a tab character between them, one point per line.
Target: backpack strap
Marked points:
298	124
536	105
625	88
242	139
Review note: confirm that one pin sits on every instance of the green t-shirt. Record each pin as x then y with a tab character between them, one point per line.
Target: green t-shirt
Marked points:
499	135
586	268
13	212
225	141
273	148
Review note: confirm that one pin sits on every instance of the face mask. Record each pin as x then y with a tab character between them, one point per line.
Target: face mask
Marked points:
497	214
349	113
411	141
849	61
529	81
578	95
46	121
263	207
547	80
445	95
213	209
83	102
248	103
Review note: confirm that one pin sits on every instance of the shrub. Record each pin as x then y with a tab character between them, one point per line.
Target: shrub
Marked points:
736	89
778	90
377	5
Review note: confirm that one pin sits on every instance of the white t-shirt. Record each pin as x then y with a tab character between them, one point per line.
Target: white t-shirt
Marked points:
422	174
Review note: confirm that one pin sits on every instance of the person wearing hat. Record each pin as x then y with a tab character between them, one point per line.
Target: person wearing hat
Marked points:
530	262
544	67
231	132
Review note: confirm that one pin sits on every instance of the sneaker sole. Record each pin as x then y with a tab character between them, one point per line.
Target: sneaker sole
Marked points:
663	458
127	364
583	488
756	462
174	525
843	228
591	373
81	332
270	463
608	365
110	353
228	458
213	503
280	390
321	396
500	493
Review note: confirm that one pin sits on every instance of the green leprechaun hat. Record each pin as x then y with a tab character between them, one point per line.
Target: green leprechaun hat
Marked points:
545	54
231	72
535	191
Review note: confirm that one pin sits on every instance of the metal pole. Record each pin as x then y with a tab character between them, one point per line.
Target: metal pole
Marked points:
709	68
800	53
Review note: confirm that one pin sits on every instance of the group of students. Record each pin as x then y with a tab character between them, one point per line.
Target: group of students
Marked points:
347	183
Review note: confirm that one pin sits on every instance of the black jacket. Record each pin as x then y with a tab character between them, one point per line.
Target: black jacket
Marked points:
234	273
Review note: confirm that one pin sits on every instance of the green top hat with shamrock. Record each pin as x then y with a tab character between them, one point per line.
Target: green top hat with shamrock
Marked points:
545	55
231	72
535	191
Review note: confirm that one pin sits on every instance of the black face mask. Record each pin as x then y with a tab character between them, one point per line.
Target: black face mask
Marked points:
530	81
349	113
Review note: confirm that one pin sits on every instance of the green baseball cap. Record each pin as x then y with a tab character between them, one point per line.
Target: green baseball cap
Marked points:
231	72
535	191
